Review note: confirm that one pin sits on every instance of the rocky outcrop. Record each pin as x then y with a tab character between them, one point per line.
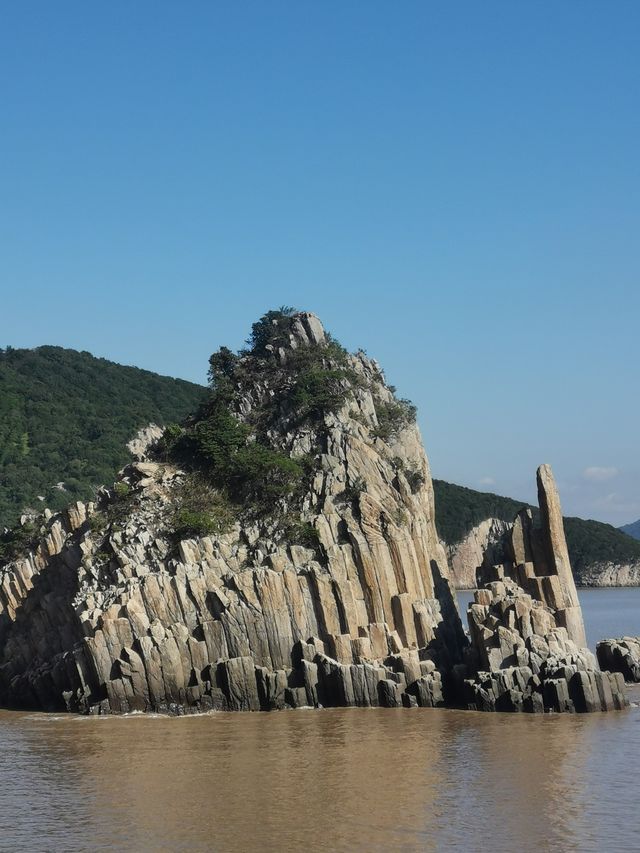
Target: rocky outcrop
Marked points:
477	547
621	655
600	555
336	593
609	574
139	445
556	555
526	662
528	650
112	613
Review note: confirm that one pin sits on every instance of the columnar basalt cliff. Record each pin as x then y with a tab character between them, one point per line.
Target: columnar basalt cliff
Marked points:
528	642
325	596
279	550
482	545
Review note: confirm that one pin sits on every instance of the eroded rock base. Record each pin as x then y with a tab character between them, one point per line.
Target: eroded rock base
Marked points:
522	660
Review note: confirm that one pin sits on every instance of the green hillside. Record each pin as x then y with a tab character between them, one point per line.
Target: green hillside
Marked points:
66	416
458	509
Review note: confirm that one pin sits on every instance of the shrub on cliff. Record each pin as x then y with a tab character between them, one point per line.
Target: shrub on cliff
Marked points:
254	395
18	540
272	329
393	417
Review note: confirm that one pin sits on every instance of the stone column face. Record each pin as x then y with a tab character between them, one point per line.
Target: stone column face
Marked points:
557	552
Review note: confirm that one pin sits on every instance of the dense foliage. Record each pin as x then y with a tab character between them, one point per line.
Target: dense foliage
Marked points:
458	509
65	417
593	542
235	445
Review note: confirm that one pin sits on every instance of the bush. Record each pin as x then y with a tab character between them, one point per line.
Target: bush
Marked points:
97	522
415	479
166	447
400	517
217	438
272	329
317	391
302	533
222	366
202	510
121	491
18	541
189	524
352	492
393	417
263	475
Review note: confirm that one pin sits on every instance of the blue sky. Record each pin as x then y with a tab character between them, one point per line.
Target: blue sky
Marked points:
452	186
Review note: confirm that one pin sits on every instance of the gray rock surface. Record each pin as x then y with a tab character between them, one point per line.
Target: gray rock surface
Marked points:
557	556
621	655
528	650
608	574
475	549
522	660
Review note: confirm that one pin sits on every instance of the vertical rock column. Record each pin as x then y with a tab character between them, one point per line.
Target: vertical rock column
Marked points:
570	614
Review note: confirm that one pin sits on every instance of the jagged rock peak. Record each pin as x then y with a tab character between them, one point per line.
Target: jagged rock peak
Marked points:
528	641
285	329
306	328
537	558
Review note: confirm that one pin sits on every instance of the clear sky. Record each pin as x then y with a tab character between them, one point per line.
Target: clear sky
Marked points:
455	187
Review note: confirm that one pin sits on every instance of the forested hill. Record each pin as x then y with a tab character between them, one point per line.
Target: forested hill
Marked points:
632	529
590	543
66	416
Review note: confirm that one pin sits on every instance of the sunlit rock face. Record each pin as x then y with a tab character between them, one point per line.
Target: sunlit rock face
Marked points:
621	655
110	613
528	649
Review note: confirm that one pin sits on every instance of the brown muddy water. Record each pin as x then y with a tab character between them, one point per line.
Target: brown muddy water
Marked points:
334	780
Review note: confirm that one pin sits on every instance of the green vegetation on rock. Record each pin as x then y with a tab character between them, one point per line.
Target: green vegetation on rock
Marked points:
256	396
66	416
459	509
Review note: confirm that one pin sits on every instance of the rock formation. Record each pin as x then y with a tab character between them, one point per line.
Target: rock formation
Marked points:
621	655
609	573
554	549
109	612
482	544
527	635
472	526
522	659
279	550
